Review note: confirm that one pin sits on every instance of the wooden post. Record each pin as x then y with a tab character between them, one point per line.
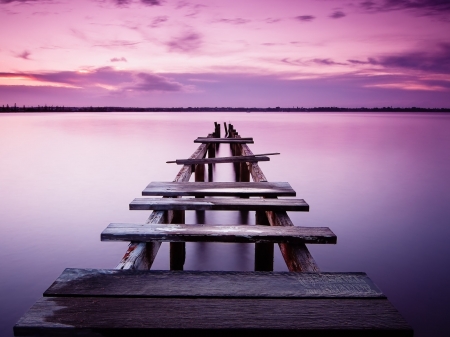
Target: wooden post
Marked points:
226	129
212	150
263	251
177	249
211	154
200	172
217	130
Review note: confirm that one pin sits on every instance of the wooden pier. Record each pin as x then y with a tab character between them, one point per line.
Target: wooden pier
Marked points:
133	300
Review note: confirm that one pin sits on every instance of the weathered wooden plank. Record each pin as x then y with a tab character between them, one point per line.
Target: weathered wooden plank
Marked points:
220	160
216	233
230	189
138	316
244	138
164	283
224	140
297	257
141	255
219	204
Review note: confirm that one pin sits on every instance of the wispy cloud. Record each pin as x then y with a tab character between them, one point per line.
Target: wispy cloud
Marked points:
327	62
421	7
237	21
119	59
192	9
110	44
436	60
24	55
124	3
158	21
308	62
272	20
105	77
151	82
337	15
186	43
24	1
305	18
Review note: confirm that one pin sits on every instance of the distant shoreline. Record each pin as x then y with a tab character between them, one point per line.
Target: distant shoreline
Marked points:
15	109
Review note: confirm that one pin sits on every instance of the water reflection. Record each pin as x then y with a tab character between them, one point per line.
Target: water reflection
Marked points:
380	182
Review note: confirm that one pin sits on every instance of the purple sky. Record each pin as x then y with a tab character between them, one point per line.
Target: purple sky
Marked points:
254	53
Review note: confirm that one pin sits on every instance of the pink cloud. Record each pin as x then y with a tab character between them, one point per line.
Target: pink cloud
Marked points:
119	59
305	18
106	77
186	43
24	55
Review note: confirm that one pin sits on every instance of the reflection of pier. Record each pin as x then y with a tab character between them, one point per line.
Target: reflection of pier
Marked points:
133	300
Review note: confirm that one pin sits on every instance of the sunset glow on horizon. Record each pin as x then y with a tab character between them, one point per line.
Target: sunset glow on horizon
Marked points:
253	53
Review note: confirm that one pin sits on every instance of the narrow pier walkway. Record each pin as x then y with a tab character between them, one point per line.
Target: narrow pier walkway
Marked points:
133	300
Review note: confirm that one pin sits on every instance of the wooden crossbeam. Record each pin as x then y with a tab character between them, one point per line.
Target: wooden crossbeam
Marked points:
220	160
162	283
223	141
236	189
216	233
219	204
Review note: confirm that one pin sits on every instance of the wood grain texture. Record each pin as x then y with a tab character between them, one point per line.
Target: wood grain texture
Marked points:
224	189
131	316
219	204
221	160
162	283
214	233
141	255
297	257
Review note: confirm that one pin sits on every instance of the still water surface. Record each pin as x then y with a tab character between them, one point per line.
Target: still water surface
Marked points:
380	182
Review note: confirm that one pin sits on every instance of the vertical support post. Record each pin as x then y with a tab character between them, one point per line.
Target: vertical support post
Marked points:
177	249
211	154
264	250
225	128
200	172
216	130
212	150
245	172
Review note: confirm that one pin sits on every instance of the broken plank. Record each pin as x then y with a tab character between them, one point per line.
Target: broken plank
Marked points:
94	316
220	160
219	204
162	283
230	189
216	233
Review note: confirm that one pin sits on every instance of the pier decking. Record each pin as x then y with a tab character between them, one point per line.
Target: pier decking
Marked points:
133	300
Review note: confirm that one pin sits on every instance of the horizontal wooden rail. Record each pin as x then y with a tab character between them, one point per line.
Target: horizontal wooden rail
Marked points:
216	233
224	189
223	141
219	204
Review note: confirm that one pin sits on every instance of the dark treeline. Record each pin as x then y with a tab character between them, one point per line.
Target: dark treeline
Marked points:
46	108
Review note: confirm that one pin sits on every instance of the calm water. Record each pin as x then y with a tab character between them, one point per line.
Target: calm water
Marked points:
380	182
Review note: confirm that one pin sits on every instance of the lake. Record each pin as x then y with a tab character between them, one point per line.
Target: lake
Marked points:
381	182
